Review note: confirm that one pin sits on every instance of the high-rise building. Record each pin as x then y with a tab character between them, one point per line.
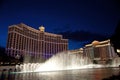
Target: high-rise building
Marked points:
100	51
23	39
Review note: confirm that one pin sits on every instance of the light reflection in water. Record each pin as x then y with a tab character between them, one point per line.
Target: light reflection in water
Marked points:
84	74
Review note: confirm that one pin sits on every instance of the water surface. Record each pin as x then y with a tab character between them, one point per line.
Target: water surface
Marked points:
81	74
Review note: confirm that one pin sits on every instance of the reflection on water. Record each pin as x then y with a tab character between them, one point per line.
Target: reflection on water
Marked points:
84	74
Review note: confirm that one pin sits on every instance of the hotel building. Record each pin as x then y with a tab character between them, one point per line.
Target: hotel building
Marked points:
23	39
80	51
100	51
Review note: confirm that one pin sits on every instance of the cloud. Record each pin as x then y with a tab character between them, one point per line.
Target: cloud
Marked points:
82	36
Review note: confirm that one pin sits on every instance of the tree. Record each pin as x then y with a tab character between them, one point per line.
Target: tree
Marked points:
115	39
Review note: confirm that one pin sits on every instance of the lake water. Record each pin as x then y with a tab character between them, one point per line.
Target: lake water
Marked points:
81	74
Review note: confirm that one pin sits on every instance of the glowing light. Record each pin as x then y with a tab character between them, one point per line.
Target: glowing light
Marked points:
42	29
118	50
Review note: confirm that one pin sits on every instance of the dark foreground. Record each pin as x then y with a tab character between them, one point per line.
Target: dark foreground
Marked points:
81	74
113	77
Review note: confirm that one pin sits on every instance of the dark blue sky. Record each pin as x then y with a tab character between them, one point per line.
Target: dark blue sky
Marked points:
81	21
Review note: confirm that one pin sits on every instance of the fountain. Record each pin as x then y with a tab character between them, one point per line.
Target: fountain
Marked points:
116	62
63	61
60	61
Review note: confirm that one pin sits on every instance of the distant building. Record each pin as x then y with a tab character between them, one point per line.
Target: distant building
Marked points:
77	51
23	40
80	51
100	51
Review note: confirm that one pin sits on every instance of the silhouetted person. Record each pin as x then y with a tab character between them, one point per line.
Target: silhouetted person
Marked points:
115	39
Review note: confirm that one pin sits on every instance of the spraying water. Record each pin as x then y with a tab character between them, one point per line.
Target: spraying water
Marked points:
116	62
60	61
63	61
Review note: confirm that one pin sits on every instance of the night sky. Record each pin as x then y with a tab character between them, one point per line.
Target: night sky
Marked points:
81	21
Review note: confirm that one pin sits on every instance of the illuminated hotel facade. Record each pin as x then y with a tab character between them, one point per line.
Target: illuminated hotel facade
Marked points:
100	51
23	40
